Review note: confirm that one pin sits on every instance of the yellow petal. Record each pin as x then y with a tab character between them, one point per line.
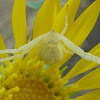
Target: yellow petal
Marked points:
98	3
45	17
19	22
2	47
83	25
90	81
84	65
57	8
60	19
94	95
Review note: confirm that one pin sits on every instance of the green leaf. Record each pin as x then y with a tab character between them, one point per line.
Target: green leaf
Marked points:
35	4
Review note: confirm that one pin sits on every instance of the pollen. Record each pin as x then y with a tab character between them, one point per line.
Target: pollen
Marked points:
33	89
30	80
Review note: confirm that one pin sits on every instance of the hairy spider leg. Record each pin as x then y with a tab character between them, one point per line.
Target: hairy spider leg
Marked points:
33	43
22	48
64	30
66	22
15	56
69	52
79	51
25	49
11	57
74	47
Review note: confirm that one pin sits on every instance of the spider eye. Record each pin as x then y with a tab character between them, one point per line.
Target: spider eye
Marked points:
52	42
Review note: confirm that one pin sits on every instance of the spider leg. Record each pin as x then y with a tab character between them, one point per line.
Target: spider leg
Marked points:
32	43
11	57
9	51
25	49
66	23
16	56
22	48
69	52
79	51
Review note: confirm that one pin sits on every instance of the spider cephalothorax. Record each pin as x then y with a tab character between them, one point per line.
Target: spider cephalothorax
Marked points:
51	48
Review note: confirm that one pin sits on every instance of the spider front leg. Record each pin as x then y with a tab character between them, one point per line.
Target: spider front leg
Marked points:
78	50
13	51
89	56
25	49
69	52
16	56
11	57
22	48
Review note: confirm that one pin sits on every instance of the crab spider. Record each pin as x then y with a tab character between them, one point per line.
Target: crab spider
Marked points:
50	48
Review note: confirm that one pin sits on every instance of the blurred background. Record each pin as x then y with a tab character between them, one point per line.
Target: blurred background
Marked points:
7	33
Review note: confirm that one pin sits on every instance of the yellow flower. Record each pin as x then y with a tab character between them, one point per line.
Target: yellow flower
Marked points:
32	79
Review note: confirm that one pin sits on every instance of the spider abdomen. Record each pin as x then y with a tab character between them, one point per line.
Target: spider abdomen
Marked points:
51	55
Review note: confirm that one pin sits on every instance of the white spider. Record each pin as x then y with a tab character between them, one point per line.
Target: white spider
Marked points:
51	48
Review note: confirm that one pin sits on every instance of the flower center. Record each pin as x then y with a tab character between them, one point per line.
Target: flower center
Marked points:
33	90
